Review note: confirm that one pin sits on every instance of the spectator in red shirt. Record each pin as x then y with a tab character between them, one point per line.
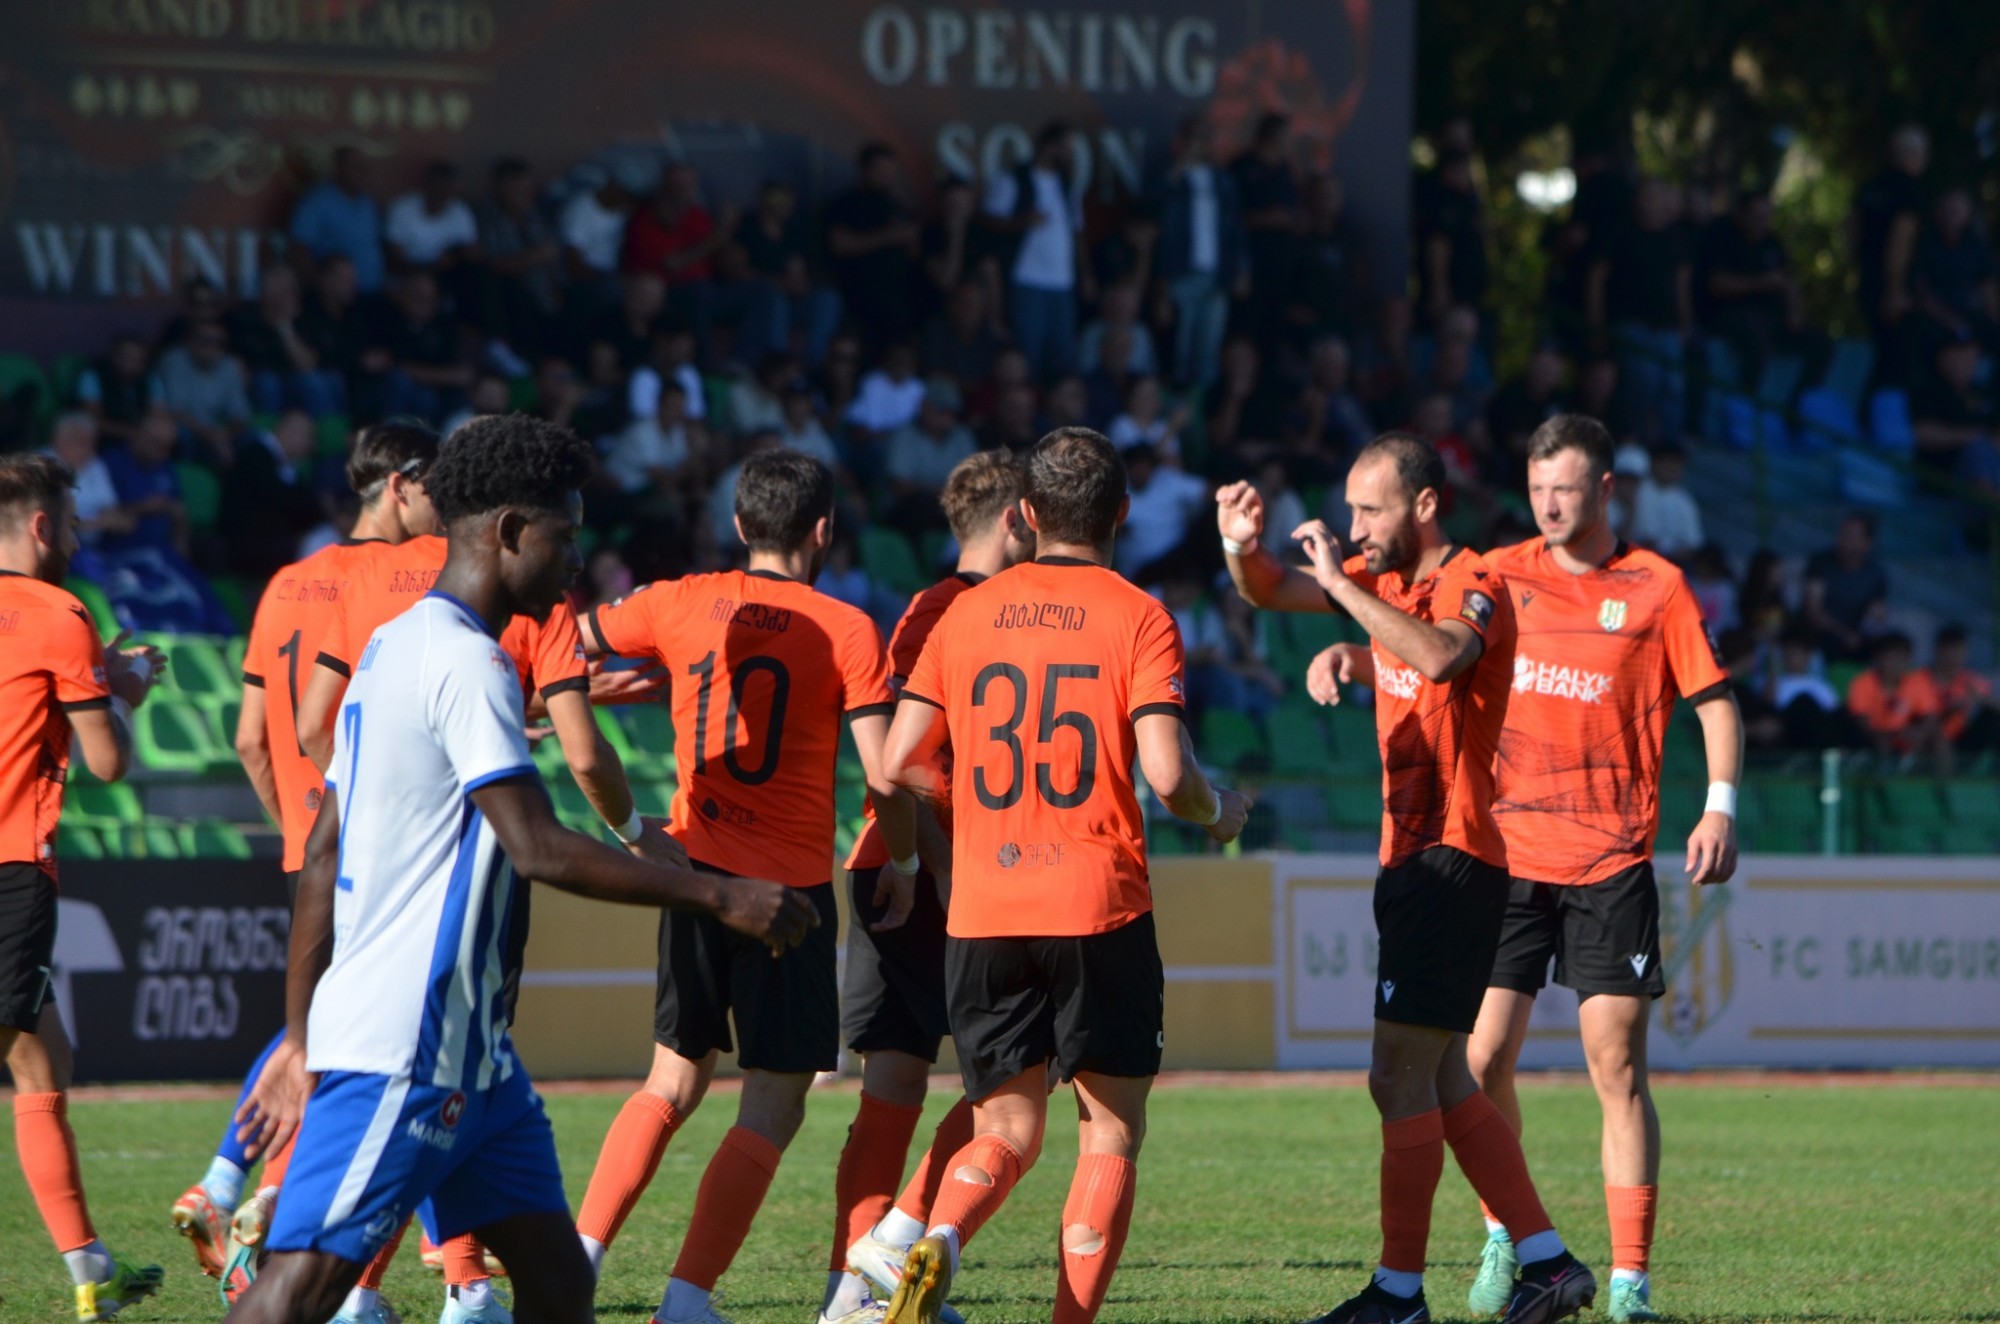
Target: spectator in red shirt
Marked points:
1971	715
1897	705
675	237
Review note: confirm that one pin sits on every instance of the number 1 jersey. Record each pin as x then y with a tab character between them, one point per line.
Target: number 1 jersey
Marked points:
1042	672
762	671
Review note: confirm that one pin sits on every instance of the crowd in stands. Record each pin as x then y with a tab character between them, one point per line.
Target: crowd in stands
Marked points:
1231	323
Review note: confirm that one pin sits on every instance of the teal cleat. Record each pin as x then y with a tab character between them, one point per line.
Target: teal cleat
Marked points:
1631	1301
1495	1284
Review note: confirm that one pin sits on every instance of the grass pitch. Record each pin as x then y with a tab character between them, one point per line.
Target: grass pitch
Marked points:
1820	1201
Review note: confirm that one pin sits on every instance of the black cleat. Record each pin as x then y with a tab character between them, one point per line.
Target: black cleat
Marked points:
1378	1306
1551	1289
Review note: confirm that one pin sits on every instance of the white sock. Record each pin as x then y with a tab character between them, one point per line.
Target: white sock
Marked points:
683	1300
898	1229
1630	1276
88	1264
593	1250
360	1299
224	1184
474	1295
1542	1246
950	1235
845	1294
1399	1282
1495	1229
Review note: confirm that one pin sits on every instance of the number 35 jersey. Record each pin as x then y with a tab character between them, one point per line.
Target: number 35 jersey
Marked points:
762	669
1042	672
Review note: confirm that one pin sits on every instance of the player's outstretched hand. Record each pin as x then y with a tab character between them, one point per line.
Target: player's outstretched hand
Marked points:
625	684
897	891
1712	850
270	1116
1239	513
1323	550
132	673
1235	813
1331	668
655	845
773	914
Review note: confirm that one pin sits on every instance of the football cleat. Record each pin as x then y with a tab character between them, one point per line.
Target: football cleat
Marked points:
206	1226
457	1312
379	1313
870	1311
1498	1267
252	1222
1377	1306
925	1283
879	1263
128	1283
1549	1290
709	1315
238	1272
1631	1302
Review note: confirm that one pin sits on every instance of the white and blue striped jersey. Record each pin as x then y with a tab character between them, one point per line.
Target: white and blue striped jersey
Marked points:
425	892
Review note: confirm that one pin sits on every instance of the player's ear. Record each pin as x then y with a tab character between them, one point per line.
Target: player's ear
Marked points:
741	537
1425	507
823	531
511	525
1124	509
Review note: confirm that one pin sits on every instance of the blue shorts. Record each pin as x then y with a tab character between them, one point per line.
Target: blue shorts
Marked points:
371	1149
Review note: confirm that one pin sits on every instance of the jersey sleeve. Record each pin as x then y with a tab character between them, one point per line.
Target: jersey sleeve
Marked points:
1159	659
1468	593
864	671
76	661
476	714
336	650
625	627
907	643
557	662
926	682
1690	652
253	647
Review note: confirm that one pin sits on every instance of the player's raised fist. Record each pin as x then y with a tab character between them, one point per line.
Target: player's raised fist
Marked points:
773	914
1235	813
1239	513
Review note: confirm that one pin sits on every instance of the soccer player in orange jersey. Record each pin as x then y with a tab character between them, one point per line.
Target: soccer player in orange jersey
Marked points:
763	670
1609	638
1049	681
56	681
385	467
1441	663
893	1004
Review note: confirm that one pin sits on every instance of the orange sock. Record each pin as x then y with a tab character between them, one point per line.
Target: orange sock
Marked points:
1489	1153
464	1261
954	1132
48	1160
626	1164
1099	1209
1631	1209
1412	1162
877	1143
378	1268
732	1191
965	1202
275	1166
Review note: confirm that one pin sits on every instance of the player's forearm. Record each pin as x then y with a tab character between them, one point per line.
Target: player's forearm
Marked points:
1166	759
257	767
1722	738
312	919
896	815
1262	580
572	862
1437	654
599	772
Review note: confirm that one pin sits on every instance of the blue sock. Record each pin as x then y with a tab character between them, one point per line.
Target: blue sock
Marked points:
231	1149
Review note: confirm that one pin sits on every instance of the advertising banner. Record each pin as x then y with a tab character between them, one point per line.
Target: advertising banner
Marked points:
143	142
1799	962
170	969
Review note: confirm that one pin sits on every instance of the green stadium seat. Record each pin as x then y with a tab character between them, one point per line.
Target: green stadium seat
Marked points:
549	761
63	374
234	595
213	840
890	560
201	494
1972	800
1781	816
1355	745
100	805
170	734
76	842
151	840
96	603
223	712
573	807
1353	805
649	729
614	736
196	665
1912	802
654	799
233	651
1231	740
332	435
1299	743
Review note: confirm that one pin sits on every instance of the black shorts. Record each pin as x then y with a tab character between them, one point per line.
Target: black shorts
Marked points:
1437	915
787	1008
27	944
1096	1003
1604	936
892	995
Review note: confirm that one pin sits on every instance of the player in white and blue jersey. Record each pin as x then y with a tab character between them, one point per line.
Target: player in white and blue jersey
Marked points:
433	816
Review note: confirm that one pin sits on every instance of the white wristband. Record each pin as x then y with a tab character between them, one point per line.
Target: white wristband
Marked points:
631	830
141	665
1214	815
1233	547
1721	799
908	868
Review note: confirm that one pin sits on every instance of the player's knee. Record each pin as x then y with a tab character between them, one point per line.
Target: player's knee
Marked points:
1082	1239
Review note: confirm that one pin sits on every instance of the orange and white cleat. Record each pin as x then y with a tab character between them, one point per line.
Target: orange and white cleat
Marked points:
206	1226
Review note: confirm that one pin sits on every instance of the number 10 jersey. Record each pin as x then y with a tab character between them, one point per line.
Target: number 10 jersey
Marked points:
1042	672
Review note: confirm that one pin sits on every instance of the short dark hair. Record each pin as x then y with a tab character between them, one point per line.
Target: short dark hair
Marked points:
1893	641
977	490
1418	465
780	496
1573	432
506	460
399	445
1269	125
870	153
30	483
1076	483
1950	635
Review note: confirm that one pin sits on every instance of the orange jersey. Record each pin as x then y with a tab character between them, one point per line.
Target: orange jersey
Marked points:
1599	660
51	664
1438	741
1892	710
383	582
762	670
906	645
1042	672
285	637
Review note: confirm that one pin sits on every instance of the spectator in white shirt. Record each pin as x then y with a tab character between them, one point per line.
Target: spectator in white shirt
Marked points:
890	396
74	442
1664	515
802	430
660	452
921	456
1629	468
671	358
1119	308
592	228
1032	206
432	227
1165	503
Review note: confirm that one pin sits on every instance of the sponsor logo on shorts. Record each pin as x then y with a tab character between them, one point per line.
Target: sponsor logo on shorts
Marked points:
1558	681
439	1137
1388	990
453	1109
380	1228
1611	614
1638	965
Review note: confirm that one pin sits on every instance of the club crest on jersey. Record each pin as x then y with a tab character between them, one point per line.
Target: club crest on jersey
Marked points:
1010	855
1475	607
1611	614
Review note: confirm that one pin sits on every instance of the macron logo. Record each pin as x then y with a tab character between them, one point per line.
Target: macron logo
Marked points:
1638	965
1388	990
